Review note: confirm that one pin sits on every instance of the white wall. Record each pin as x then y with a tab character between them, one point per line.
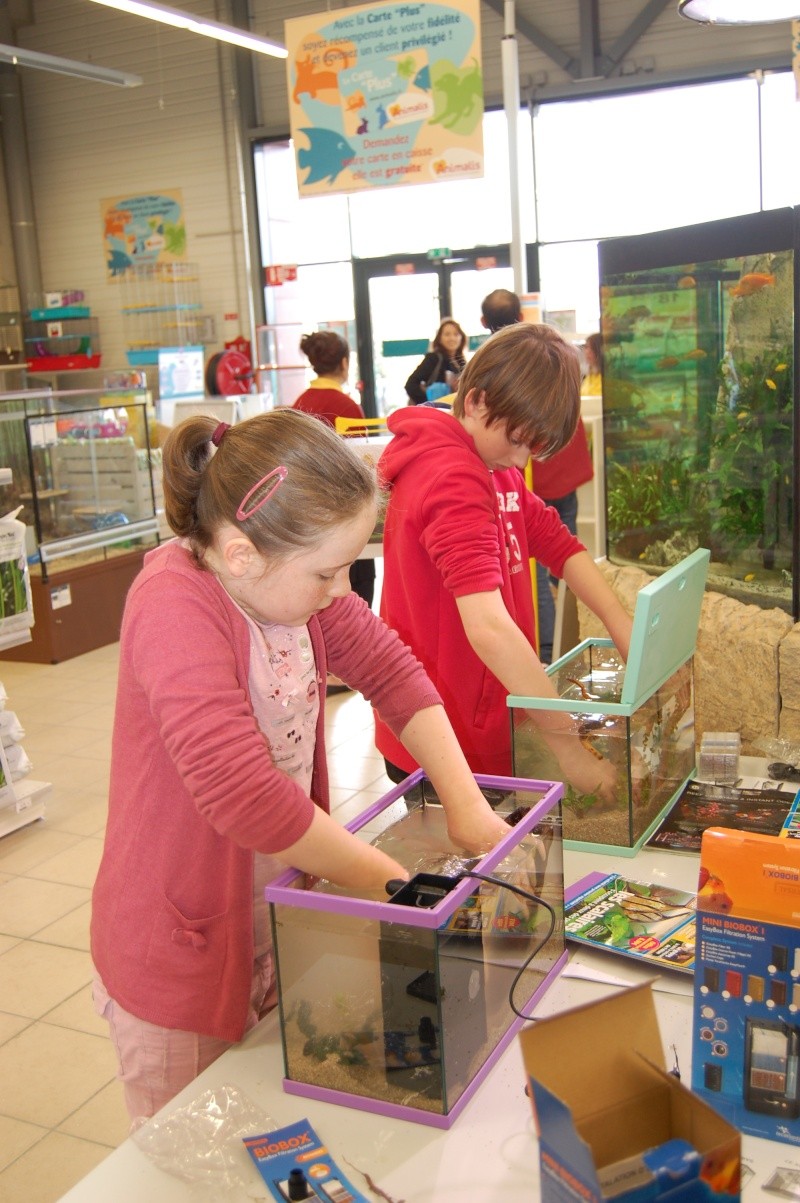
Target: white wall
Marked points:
88	142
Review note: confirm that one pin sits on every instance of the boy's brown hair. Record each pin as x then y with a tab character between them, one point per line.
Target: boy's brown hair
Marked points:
529	377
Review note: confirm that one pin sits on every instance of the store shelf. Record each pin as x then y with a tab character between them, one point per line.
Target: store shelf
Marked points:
28	807
62	363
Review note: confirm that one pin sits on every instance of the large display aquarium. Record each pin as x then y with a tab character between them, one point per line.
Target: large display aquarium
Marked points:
700	399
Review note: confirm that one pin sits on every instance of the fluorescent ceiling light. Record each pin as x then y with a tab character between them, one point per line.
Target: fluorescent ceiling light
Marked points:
67	66
203	25
739	12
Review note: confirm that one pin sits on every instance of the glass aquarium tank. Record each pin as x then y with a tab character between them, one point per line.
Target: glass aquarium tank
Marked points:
638	716
84	475
401	1004
651	746
699	390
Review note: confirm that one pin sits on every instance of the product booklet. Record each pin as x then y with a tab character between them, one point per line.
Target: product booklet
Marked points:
295	1164
652	923
702	804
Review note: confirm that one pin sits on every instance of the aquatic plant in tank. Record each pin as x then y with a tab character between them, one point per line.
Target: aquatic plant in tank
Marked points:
698	402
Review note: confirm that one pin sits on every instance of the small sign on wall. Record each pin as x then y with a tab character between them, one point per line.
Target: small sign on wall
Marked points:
279	273
139	230
60	596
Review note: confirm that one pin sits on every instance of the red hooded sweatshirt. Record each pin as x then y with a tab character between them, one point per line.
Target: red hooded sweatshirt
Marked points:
454	528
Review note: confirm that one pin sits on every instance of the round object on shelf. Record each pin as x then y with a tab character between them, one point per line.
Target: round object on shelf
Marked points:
228	373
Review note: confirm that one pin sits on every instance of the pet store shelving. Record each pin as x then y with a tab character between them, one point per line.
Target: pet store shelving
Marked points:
10	327
61	334
21	797
162	308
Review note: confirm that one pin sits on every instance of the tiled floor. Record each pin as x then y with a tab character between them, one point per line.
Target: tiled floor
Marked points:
61	1110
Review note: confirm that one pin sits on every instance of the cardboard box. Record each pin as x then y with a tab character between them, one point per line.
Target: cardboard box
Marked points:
602	1097
746	1034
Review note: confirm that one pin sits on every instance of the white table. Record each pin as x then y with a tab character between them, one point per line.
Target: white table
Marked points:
490	1153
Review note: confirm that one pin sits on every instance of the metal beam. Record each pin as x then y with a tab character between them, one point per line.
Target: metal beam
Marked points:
588	88
639	25
589	26
534	35
592	63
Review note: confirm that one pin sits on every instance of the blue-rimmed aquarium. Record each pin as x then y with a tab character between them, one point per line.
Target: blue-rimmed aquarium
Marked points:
699	401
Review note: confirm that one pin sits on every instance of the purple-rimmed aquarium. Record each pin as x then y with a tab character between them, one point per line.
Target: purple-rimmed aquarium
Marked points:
699	401
402	1007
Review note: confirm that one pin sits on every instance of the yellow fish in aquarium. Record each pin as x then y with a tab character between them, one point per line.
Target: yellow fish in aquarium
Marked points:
668	361
697	353
687	282
752	282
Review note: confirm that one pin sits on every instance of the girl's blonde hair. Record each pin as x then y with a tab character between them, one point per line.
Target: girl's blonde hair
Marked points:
325	484
530	378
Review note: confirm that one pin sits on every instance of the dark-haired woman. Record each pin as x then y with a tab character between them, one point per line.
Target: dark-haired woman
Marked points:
443	364
329	355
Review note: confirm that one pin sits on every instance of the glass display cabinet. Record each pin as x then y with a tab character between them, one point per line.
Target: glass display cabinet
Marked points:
86	482
699	401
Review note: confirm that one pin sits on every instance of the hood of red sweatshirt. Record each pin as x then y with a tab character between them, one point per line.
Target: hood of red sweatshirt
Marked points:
421	430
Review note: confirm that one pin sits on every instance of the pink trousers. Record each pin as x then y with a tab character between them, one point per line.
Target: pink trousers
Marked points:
156	1063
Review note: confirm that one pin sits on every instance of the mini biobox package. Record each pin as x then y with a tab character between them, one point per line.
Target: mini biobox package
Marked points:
612	1122
638	715
401	1005
746	1030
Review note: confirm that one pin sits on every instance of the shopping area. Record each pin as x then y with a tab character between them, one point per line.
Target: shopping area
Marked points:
658	209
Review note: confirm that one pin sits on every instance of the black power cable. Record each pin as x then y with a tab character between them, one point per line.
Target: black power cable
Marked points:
506	885
426	890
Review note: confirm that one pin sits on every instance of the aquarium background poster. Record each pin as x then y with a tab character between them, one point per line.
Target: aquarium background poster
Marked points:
382	95
142	229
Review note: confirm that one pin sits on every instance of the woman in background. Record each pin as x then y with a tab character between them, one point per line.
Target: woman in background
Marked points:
443	364
592	383
329	355
325	398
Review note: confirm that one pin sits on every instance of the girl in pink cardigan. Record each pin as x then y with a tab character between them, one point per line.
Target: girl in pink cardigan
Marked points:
218	776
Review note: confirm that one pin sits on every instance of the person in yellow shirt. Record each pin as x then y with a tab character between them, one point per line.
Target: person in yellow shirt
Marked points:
592	383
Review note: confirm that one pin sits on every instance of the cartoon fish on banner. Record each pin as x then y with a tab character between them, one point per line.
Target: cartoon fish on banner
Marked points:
118	263
326	157
752	282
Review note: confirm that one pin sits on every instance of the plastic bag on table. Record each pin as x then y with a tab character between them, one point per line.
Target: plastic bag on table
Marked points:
201	1143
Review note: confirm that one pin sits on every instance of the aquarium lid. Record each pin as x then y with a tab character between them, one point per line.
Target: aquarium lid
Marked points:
665	625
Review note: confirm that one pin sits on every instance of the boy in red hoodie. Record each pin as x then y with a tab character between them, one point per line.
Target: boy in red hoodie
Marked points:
460	530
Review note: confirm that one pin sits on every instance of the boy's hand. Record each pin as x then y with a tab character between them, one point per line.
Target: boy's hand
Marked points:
589	775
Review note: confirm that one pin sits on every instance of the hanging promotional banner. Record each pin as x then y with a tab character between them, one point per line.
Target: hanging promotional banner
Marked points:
796	57
385	94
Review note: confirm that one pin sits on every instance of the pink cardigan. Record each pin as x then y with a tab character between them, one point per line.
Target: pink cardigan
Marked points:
194	790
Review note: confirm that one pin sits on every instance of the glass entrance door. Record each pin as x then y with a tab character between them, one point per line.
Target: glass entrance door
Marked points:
400	302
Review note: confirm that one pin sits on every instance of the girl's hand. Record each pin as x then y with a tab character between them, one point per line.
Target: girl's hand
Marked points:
477	828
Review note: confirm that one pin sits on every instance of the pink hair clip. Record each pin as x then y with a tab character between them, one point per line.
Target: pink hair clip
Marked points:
243	512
